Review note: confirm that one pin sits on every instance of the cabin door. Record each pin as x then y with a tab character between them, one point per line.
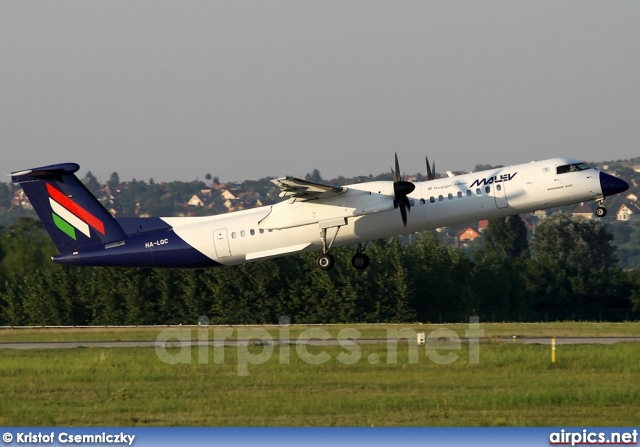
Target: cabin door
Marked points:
221	242
500	194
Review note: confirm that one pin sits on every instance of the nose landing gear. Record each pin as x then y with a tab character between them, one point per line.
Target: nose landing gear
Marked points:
601	211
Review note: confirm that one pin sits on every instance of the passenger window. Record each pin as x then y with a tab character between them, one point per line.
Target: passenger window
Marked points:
252	232
261	231
450	196
478	192
487	189
432	199
243	233
459	194
469	193
422	201
440	198
498	187
233	235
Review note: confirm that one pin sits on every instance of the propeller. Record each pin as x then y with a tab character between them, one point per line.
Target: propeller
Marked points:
401	190
431	171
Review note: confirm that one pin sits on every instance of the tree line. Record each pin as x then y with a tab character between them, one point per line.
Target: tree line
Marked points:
567	271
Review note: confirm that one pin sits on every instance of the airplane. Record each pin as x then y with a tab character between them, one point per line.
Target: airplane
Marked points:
313	216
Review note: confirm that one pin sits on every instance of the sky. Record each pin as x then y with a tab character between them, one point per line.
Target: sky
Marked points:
174	90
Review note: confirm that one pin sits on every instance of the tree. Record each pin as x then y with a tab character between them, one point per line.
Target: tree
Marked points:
441	276
634	238
485	167
5	195
314	176
497	284
575	242
114	180
507	236
27	248
634	280
91	183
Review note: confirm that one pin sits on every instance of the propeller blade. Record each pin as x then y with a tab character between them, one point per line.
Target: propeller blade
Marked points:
429	171
403	213
401	190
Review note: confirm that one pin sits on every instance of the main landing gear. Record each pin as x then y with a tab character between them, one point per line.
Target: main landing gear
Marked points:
401	191
360	261
601	211
325	261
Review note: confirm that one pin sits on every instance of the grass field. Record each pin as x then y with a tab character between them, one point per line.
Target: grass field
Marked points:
512	385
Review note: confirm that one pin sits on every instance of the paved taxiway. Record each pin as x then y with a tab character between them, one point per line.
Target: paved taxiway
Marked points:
312	342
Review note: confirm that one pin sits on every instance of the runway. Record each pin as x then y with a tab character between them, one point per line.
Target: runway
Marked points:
309	342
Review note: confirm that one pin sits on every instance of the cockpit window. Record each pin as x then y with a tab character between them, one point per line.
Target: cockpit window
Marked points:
574	167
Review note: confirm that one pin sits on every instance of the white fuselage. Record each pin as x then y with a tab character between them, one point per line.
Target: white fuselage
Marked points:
366	211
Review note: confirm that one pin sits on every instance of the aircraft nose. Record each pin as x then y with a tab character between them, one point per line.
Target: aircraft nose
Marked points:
612	185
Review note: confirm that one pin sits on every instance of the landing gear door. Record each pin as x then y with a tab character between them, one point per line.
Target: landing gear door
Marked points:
221	243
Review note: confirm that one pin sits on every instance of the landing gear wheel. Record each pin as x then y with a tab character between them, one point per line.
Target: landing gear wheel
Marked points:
601	211
360	261
325	261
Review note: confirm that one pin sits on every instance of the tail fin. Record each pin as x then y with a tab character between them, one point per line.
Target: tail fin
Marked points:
72	216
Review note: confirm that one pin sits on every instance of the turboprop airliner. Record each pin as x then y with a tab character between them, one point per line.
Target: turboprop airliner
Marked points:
312	217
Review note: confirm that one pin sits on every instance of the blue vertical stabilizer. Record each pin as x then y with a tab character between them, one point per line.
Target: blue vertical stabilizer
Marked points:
72	216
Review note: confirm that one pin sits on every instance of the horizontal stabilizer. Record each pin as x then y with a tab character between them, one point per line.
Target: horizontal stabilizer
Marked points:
45	172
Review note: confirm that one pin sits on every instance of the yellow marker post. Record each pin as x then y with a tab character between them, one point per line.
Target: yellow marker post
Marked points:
553	350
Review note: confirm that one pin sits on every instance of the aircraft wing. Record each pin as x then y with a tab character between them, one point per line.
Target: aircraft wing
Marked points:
304	189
